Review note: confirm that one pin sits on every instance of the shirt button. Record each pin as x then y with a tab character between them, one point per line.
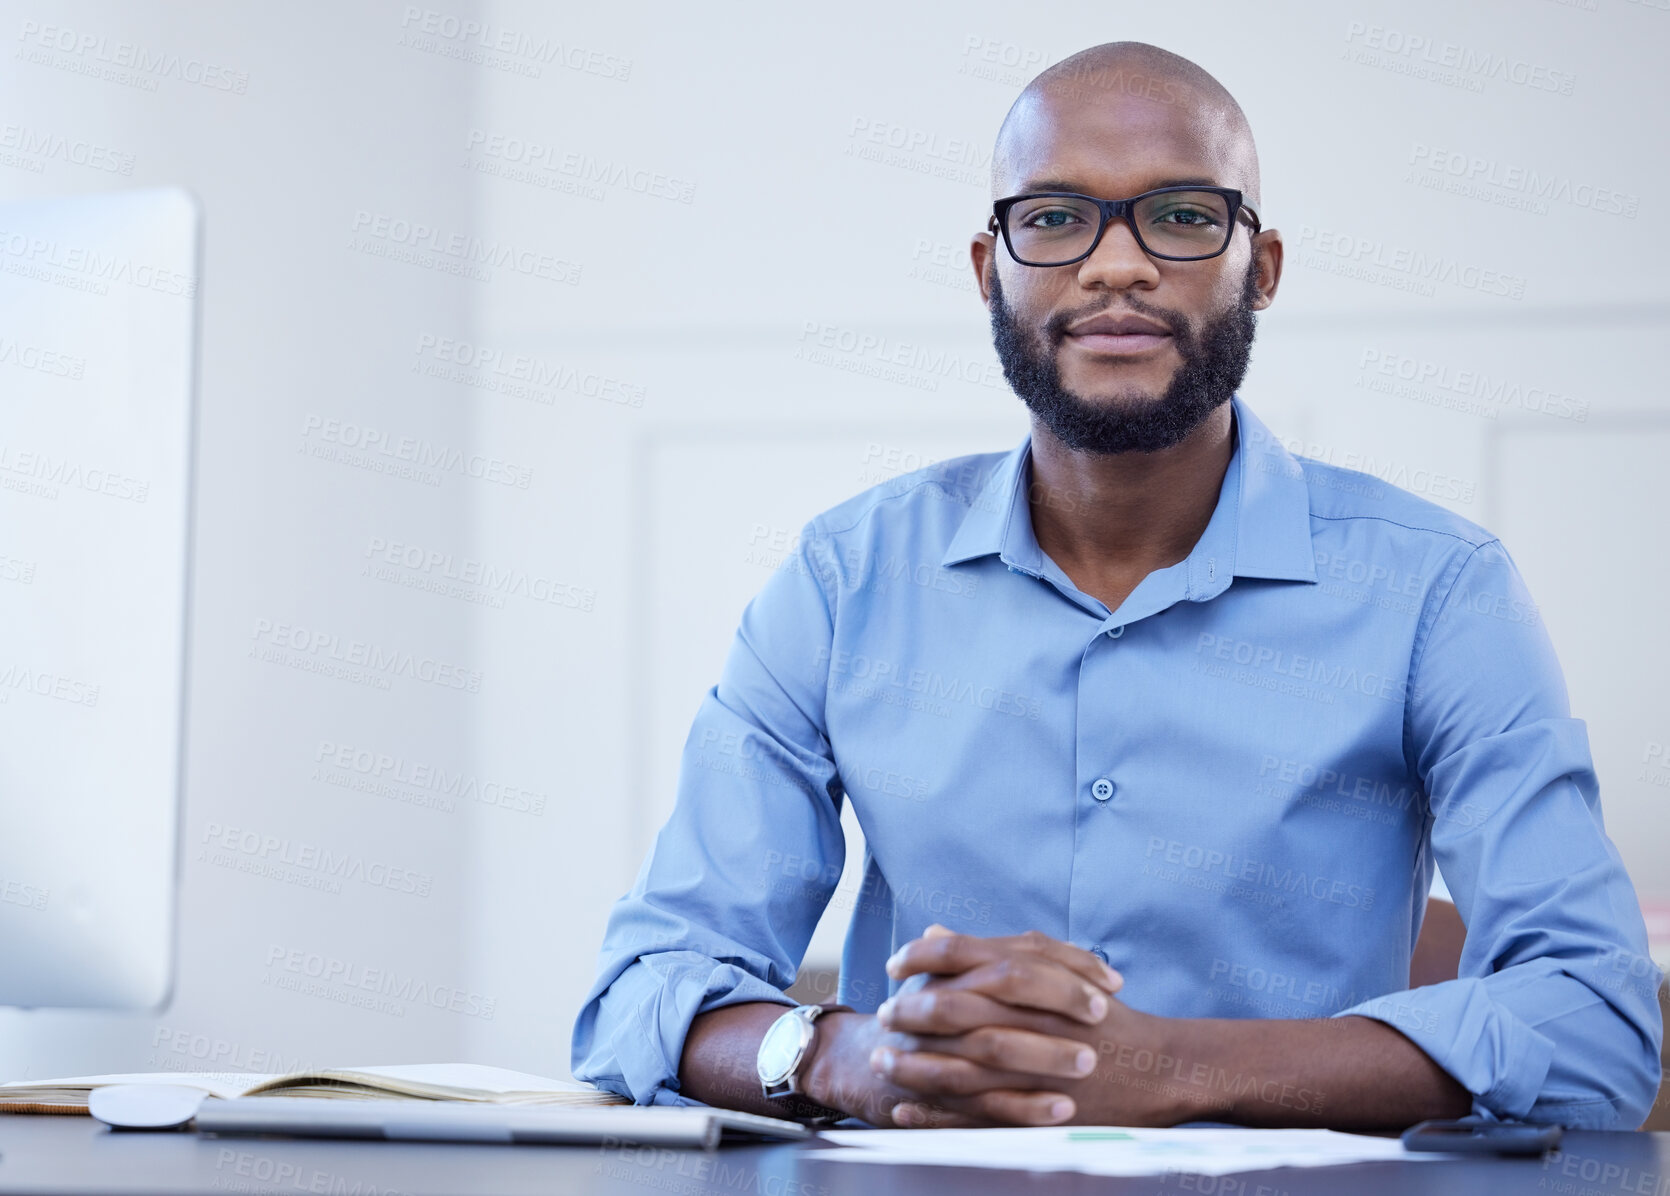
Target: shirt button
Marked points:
1099	954
1102	789
1115	632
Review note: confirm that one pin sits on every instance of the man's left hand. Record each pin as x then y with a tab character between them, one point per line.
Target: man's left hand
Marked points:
978	996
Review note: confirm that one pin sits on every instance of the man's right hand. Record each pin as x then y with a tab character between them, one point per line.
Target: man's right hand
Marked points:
1012	1089
1011	994
1014	1055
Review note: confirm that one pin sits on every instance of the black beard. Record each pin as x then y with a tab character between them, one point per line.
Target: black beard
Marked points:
1214	357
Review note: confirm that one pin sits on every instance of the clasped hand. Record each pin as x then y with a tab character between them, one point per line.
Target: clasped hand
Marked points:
1003	1031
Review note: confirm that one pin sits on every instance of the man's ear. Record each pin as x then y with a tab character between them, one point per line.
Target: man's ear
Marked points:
982	253
1267	248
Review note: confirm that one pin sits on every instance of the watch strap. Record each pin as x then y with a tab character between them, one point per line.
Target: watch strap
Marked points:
801	1108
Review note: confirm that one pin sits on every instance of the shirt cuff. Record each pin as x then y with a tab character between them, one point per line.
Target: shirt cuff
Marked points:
644	1017
1484	1046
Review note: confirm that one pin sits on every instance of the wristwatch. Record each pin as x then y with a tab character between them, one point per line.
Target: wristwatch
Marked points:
782	1051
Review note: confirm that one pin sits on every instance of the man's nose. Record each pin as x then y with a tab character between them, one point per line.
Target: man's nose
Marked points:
1118	261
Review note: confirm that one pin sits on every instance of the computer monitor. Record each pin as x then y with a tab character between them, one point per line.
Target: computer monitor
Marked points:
98	333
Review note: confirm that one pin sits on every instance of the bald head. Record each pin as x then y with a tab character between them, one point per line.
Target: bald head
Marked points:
1128	98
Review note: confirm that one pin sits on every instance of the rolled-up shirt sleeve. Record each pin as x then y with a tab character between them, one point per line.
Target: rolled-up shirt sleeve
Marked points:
725	905
1554	1016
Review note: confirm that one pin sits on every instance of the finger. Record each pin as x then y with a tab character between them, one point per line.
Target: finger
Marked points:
999	1107
1018	981
1008	1049
951	954
920	1115
942	1010
1036	983
1074	959
1025	1108
937	931
930	1074
955	1011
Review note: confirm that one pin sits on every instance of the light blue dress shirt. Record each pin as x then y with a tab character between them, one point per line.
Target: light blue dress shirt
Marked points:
1233	788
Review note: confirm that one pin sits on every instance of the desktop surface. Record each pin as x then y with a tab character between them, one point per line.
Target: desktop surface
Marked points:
62	1155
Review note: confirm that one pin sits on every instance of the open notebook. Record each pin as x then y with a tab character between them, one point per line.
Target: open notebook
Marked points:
471	1082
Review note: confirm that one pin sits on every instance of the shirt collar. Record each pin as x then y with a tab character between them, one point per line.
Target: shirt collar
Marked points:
1262	520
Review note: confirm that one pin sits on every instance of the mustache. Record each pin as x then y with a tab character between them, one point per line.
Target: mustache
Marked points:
1055	328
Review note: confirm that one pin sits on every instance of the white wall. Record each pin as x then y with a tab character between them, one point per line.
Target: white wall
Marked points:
333	118
692	425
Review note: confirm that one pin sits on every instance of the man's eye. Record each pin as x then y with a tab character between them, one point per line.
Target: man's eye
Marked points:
1192	217
1051	218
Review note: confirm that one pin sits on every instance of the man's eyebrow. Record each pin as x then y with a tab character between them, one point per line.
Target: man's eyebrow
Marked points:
1035	185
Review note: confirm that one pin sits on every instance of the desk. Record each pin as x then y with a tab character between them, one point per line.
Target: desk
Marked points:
64	1155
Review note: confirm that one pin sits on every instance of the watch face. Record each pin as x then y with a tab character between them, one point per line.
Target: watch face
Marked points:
780	1049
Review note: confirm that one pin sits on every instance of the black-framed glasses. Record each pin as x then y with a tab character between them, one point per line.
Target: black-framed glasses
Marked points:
1178	224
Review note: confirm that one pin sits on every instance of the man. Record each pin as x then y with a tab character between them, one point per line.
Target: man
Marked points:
1155	733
